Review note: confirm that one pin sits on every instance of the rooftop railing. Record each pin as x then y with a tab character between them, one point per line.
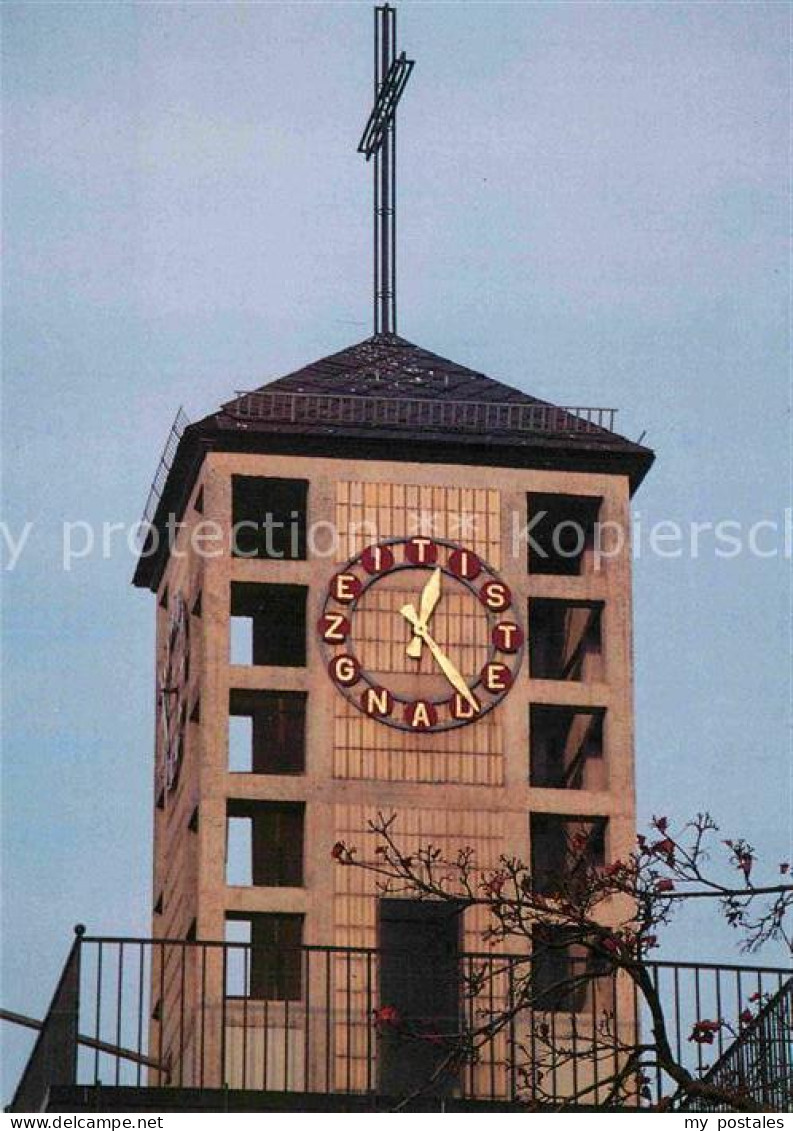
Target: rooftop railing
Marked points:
417	413
180	422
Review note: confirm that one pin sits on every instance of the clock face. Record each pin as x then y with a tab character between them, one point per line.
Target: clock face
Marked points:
421	634
172	693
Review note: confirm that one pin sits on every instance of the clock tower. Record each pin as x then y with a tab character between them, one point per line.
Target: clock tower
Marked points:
380	588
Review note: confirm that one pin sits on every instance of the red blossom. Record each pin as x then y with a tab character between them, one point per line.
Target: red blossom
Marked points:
755	996
386	1015
495	884
339	852
381	850
615	868
665	885
666	846
704	1031
661	823
746	1016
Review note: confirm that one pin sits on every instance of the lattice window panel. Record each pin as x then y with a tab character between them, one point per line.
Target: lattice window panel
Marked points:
373	512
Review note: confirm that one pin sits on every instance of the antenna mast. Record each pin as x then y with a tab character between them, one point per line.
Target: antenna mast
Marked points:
378	140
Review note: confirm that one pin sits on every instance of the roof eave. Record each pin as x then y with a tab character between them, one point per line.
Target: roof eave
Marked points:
619	457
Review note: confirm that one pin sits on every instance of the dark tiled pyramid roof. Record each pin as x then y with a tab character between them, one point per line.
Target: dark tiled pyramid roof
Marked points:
388	399
386	386
390	366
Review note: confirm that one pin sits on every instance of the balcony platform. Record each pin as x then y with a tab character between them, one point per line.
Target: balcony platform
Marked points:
87	1098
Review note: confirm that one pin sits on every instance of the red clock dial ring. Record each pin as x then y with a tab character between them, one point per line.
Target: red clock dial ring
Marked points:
508	637
421	694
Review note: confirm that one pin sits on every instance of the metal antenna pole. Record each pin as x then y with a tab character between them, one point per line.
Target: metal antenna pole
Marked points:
379	141
385	315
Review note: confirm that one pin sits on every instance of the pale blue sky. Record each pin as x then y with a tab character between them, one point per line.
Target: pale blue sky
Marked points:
593	206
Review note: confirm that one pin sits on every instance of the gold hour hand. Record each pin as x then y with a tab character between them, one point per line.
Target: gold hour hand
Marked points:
430	596
444	663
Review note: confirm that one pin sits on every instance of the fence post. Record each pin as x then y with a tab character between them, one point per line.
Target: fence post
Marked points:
53	1060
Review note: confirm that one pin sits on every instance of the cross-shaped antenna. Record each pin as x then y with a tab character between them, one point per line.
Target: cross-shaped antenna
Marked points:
379	141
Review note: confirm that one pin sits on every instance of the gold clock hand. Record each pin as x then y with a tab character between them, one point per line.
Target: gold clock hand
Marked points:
430	596
444	663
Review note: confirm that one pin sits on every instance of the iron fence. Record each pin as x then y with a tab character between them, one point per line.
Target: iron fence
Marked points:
178	426
758	1063
174	1013
417	414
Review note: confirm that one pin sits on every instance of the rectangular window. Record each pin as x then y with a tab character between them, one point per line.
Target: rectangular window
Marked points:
240	744
276	616
265	843
240	639
562	533
564	852
566	747
267	732
269	517
561	971
270	966
565	639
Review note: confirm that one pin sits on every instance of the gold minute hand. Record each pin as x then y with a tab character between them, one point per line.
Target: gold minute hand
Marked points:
444	663
430	596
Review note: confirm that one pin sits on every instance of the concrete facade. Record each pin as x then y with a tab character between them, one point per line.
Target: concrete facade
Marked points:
468	786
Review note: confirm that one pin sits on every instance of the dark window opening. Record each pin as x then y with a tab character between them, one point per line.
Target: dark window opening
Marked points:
161	799
192	824
191	932
195	714
268	732
562	532
566	747
565	639
156	1013
565	851
275	616
270	967
158	905
196	609
164	598
265	843
561	969
269	517
199	501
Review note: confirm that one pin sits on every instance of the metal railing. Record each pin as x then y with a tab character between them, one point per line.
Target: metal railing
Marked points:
417	414
173	1013
180	422
758	1063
